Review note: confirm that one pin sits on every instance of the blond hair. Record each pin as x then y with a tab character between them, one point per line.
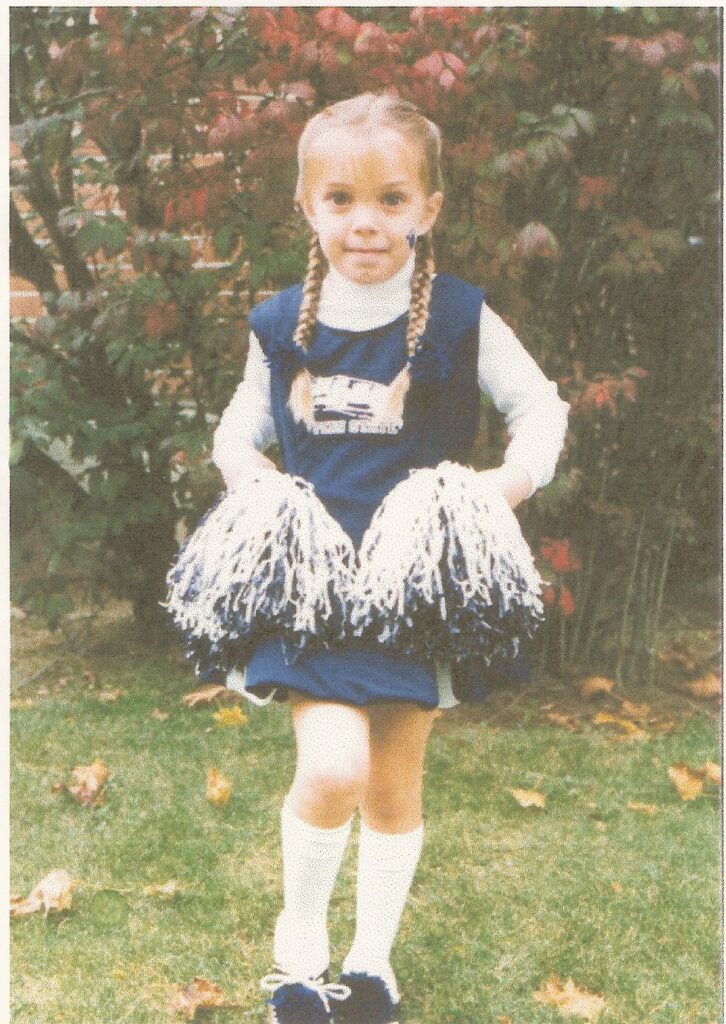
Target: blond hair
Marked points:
369	110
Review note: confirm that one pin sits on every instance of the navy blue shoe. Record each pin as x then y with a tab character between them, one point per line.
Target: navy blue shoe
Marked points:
370	1000
298	1000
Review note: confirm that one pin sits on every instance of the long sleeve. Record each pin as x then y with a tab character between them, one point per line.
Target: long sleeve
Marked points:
535	415
246	425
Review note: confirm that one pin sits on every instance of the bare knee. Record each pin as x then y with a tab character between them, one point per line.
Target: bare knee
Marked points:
390	807
331	781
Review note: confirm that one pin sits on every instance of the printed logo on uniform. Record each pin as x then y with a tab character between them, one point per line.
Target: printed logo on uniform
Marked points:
352	405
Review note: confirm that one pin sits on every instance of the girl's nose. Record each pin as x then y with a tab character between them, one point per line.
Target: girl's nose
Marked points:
363	218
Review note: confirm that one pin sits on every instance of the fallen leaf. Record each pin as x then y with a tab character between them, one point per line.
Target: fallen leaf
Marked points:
170	888
661	726
90	779
634	805
639	712
528	797
90	677
54	892
22	702
567	721
570	1000
20	906
616	887
160	715
713	772
219	788
204	696
107	696
684	661
688	781
230	716
200	994
596	684
17	613
705	688
628	727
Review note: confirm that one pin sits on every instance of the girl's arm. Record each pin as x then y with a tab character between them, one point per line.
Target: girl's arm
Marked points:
536	416
246	427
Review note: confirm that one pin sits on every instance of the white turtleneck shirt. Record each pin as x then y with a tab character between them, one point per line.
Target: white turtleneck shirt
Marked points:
535	416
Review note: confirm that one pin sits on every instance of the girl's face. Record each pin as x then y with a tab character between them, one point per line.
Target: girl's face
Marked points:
362	197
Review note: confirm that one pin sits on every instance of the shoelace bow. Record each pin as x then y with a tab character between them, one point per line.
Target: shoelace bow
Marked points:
326	991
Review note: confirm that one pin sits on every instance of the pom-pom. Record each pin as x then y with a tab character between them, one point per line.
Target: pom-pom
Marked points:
267	559
445	570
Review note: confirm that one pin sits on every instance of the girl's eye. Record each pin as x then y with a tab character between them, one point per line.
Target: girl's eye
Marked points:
339	198
394	198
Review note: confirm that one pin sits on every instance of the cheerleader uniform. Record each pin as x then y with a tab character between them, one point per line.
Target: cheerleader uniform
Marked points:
355	453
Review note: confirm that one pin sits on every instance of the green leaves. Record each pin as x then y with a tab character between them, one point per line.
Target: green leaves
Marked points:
109	235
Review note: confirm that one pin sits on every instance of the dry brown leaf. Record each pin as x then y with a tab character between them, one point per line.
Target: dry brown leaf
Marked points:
596	684
170	888
713	772
219	788
683	661
688	781
90	677
204	696
200	994
638	712
107	696
20	906
656	726
230	716
705	688
528	797
54	892
628	727
616	887
22	702
634	805
159	715
570	1000
566	721
90	779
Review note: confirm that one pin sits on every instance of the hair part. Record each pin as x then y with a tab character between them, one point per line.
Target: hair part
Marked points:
369	110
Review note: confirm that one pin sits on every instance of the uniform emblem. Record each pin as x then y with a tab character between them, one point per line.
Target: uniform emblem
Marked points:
352	405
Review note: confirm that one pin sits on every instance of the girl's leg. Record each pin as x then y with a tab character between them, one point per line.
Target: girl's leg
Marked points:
316	818
391	832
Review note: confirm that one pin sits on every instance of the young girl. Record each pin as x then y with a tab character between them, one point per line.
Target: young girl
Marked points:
369	368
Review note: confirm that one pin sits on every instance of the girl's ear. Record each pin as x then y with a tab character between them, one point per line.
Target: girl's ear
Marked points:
305	208
434	202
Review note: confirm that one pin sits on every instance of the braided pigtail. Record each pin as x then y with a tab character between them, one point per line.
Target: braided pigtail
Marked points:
300	400
418	314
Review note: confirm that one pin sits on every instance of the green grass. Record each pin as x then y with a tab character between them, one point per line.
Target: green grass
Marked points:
503	896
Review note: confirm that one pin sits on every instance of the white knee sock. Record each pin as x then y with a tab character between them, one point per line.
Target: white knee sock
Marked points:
386	866
311	858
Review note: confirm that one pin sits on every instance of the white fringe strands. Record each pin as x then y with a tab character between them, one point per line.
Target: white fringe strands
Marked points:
445	571
266	559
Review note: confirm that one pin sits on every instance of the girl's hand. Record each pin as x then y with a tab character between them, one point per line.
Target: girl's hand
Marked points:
512	481
255	460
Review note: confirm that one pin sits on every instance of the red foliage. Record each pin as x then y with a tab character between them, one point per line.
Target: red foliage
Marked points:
337	22
161	319
559	555
566	602
594	190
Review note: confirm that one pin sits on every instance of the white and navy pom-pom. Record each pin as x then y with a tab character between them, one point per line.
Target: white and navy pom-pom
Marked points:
445	570
266	559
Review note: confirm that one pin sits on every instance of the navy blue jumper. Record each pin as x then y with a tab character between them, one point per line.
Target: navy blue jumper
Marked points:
355	455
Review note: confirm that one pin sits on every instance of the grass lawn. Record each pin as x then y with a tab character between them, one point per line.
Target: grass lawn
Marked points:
624	902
